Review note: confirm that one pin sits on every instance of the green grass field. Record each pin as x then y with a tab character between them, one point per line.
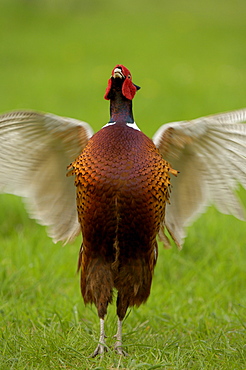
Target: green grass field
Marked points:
189	58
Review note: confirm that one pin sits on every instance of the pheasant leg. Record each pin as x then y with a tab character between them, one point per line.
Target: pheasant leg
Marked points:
118	343
101	347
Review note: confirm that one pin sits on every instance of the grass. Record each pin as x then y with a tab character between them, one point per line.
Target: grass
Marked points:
189	58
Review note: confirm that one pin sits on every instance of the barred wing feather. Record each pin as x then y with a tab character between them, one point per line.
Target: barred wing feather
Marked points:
35	150
210	153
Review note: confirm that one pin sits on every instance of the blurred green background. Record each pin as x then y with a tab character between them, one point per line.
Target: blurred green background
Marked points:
188	56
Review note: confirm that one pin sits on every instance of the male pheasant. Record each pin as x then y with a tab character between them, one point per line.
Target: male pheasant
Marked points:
123	187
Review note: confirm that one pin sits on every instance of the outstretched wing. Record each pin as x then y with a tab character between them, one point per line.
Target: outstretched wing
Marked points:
210	153
35	150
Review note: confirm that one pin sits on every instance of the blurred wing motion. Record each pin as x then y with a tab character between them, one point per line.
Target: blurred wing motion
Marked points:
210	153
35	150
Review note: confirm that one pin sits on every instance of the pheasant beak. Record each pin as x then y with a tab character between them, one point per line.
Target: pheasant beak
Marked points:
117	73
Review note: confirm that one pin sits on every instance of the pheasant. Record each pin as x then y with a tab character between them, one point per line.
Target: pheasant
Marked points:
122	197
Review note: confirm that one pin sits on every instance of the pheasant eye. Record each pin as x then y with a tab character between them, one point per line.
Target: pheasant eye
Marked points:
129	76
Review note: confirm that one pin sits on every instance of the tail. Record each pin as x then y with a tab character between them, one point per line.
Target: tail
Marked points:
96	281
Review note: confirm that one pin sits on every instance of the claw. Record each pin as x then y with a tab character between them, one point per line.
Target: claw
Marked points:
101	348
119	350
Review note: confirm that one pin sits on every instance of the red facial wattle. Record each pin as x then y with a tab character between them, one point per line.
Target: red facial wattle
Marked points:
129	89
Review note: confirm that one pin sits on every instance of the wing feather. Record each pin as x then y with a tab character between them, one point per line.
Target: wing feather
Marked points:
35	150
210	153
